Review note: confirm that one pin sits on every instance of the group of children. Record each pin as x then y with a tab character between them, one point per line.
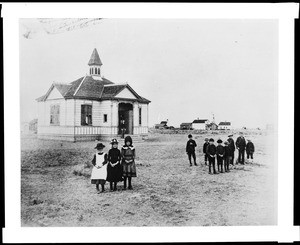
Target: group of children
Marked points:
114	166
223	154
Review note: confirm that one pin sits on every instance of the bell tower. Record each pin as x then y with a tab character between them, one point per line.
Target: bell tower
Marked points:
95	64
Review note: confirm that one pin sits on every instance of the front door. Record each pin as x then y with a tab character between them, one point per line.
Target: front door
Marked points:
125	118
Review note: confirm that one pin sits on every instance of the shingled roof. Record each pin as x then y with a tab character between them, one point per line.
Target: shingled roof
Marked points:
200	121
95	58
224	123
94	89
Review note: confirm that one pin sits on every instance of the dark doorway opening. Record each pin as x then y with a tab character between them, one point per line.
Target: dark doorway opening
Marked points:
125	118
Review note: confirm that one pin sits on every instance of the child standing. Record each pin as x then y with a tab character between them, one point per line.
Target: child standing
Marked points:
211	151
250	149
99	171
114	168
190	149
204	150
128	156
220	155
228	155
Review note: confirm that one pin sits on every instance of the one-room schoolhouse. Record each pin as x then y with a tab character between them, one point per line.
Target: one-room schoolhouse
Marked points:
91	107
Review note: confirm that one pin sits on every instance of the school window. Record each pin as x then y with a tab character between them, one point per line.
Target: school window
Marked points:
54	115
140	116
86	115
105	118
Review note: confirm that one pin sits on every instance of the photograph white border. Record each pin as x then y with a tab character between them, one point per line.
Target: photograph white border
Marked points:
285	13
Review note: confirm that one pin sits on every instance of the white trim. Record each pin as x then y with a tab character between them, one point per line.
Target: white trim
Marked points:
79	85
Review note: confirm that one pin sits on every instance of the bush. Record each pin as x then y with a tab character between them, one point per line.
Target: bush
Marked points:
82	170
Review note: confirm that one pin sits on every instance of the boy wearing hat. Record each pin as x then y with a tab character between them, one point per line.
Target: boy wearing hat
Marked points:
227	156
190	149
211	151
220	155
250	149
114	168
204	150
99	171
241	146
231	147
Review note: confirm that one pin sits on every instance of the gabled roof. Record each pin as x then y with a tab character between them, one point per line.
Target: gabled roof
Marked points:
188	124
95	58
224	123
89	88
200	121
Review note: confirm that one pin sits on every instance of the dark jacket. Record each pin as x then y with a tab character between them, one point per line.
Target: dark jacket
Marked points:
190	145
211	150
240	143
105	159
250	147
114	155
231	144
205	147
220	150
228	151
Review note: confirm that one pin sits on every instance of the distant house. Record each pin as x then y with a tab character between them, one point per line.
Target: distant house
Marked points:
224	126
91	107
162	125
212	126
200	124
186	126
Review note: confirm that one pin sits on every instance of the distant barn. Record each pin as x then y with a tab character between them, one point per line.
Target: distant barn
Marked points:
212	126
162	125
200	124
224	126
186	126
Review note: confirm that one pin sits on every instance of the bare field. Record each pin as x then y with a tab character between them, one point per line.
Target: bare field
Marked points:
167	191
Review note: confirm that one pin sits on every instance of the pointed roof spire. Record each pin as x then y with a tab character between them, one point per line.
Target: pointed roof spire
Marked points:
95	59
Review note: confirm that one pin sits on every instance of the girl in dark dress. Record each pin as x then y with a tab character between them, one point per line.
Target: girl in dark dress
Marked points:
114	168
128	156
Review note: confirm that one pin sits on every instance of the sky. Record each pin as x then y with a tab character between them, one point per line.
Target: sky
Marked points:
188	68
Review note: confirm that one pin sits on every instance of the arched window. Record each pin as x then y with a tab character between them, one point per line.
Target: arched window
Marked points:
99	71
96	71
90	71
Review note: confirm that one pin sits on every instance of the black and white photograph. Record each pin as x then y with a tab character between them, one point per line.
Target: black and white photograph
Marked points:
148	122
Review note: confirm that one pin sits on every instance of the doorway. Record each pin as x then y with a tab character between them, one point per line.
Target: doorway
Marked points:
125	118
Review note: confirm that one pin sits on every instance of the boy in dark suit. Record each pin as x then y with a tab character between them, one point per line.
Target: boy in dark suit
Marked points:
204	150
190	149
231	147
220	155
250	149
211	151
241	146
227	156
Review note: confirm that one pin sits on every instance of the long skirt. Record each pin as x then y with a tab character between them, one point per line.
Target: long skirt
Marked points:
114	174
129	169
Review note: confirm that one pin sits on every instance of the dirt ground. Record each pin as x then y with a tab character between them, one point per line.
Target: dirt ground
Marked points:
167	191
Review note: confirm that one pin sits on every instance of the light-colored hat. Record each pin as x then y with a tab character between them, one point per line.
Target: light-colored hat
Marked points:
114	141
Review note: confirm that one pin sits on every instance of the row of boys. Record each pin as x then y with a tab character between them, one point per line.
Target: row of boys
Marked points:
224	153
114	166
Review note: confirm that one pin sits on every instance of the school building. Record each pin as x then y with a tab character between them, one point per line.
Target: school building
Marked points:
91	107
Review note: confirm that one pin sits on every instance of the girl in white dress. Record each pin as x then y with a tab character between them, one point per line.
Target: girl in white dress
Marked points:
99	171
